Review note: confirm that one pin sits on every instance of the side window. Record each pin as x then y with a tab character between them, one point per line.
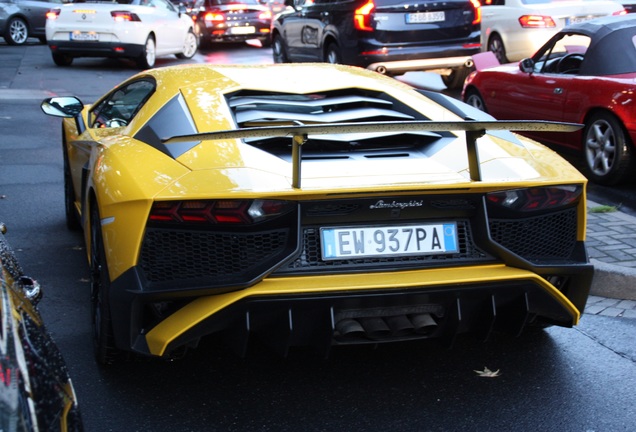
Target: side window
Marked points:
119	108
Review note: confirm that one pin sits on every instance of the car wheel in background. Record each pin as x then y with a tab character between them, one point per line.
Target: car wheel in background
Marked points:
189	47
607	150
279	53
17	32
332	54
473	98
147	58
103	340
62	59
496	46
455	79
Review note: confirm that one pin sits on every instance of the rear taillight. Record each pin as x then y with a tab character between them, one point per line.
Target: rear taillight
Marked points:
362	16
214	17
477	10
218	211
536	21
53	14
539	198
621	12
127	16
265	15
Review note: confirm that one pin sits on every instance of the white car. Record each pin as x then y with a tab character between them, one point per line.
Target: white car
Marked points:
135	29
515	29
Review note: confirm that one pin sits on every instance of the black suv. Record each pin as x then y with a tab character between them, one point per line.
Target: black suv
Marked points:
389	36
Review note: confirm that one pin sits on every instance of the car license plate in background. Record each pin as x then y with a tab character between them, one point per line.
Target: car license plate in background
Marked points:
243	30
387	241
578	19
83	36
424	17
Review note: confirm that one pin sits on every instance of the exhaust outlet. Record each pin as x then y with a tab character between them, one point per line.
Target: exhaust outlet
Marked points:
400	325
375	328
423	323
381	70
349	328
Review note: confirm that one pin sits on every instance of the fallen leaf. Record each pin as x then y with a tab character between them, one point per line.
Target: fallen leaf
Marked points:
487	373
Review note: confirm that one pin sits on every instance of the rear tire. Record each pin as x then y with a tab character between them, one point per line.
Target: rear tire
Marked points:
147	58
190	46
455	80
103	339
607	150
496	46
279	52
332	54
62	59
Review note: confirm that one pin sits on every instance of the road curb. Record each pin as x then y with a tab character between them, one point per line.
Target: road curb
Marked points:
613	281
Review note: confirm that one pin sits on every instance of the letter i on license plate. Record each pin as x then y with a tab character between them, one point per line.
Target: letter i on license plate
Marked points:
387	241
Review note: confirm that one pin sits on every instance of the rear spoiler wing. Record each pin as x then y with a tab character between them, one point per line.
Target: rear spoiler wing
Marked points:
299	134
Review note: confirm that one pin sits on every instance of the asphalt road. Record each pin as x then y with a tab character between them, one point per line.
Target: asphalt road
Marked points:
581	379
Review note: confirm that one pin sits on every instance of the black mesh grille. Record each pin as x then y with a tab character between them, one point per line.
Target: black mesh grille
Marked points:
311	260
171	255
551	236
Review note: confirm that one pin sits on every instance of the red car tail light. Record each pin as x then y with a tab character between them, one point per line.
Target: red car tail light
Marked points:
620	12
124	16
53	14
536	21
477	6
218	211
265	15
213	17
538	198
362	16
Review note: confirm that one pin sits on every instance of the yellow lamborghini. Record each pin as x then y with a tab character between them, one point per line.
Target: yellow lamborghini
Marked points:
314	205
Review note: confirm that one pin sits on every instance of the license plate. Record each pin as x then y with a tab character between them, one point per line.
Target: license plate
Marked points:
388	241
84	36
243	30
578	19
424	17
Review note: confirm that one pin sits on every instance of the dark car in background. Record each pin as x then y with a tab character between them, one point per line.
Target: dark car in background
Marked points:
36	393
218	21
21	19
388	36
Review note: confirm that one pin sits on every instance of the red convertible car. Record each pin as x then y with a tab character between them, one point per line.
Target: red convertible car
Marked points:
585	74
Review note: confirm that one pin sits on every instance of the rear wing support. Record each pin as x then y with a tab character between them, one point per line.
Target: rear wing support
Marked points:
473	131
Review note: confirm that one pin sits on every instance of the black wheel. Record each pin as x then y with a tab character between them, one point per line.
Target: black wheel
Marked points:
147	58
103	339
16	31
266	42
455	80
62	59
607	150
279	52
332	54
495	44
72	219
473	98
190	46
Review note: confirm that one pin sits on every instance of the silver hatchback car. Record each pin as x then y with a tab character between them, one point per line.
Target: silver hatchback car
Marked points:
22	19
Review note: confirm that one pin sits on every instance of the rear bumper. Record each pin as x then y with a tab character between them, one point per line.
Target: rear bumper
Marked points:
323	311
417	57
96	49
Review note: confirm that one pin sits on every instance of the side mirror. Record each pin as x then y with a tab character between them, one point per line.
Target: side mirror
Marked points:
526	65
64	106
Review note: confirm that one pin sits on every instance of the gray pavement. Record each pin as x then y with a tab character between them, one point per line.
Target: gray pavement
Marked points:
611	245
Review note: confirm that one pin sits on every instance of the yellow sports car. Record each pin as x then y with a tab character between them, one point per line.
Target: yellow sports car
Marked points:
314	204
